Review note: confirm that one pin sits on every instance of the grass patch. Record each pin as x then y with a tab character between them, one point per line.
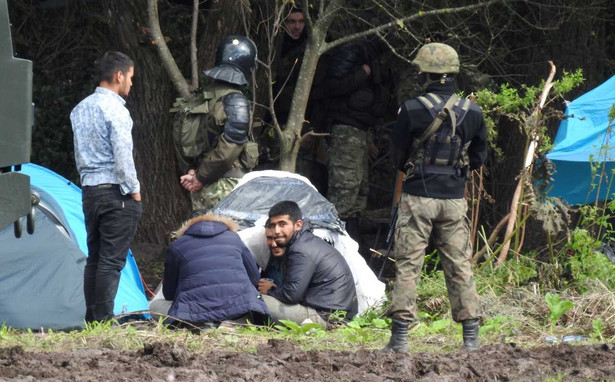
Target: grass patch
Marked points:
515	309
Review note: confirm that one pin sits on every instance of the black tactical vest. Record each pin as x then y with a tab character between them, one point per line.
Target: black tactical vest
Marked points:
439	150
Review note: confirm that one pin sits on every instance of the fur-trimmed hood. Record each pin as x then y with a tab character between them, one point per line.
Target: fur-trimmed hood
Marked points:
192	227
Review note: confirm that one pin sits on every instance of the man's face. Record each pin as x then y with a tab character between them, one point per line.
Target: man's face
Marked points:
273	246
295	23
283	229
125	82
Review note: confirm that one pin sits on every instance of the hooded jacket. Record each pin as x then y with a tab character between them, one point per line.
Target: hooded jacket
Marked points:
316	275
209	273
354	97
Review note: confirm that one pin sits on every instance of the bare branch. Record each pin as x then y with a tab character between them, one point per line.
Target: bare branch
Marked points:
529	158
312	133
163	50
407	19
193	48
393	50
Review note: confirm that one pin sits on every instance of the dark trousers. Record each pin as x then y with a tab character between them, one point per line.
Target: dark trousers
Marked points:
111	221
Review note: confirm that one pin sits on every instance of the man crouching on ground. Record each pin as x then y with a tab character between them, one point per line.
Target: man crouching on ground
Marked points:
316	280
210	276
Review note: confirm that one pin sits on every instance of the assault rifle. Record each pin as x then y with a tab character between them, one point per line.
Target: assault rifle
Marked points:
399	181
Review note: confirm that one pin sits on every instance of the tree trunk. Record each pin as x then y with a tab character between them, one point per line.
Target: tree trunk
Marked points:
164	203
291	135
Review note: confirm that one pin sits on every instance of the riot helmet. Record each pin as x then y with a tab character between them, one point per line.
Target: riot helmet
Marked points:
437	58
238	51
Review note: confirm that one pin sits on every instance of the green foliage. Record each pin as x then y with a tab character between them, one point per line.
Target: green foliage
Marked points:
513	272
291	328
431	285
596	219
440	326
364	330
557	308
568	82
597	329
519	104
591	265
6	332
581	241
499	325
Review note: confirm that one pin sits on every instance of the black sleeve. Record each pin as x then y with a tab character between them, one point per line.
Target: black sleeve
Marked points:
297	278
340	86
171	274
400	139
477	151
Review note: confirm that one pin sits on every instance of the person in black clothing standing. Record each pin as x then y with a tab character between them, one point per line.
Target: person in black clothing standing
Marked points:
287	62
436	140
356	104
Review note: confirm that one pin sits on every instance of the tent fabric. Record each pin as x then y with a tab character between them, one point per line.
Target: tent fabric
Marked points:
582	138
41	277
258	191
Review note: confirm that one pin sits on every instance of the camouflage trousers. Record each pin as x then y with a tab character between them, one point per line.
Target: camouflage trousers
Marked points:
446	218
207	197
348	170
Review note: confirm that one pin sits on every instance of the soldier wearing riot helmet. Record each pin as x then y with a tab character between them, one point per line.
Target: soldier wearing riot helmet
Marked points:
436	139
235	61
223	118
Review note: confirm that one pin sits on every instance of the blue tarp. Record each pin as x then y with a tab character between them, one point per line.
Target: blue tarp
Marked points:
582	138
45	287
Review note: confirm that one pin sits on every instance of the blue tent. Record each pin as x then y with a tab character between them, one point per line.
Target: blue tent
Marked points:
582	138
41	275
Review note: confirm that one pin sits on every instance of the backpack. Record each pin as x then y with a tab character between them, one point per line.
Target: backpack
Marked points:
197	124
439	149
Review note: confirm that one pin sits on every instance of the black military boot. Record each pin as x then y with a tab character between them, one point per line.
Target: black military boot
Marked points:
470	334
399	337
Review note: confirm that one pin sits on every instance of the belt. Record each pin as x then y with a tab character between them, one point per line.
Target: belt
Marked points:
102	185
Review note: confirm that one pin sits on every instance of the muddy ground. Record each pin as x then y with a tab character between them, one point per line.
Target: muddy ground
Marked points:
280	360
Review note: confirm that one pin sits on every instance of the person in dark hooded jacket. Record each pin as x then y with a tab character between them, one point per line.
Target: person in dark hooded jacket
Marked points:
316	278
209	274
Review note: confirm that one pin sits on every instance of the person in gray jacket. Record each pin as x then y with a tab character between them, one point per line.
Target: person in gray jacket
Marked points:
316	278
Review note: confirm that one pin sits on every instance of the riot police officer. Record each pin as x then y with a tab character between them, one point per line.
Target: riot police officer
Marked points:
222	117
435	158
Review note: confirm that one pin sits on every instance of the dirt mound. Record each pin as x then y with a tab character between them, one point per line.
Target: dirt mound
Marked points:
164	354
279	360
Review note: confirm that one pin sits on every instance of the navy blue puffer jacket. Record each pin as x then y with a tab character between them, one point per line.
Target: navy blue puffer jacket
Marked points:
209	273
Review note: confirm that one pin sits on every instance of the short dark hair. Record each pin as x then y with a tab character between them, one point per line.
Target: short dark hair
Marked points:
295	10
112	62
286	207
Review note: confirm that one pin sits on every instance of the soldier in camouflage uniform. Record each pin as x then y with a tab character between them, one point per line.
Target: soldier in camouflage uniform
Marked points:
356	104
436	164
218	152
348	171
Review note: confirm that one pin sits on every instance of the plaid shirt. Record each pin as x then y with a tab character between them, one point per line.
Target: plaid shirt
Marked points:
103	142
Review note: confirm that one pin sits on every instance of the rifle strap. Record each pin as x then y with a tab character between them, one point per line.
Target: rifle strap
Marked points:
437	122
